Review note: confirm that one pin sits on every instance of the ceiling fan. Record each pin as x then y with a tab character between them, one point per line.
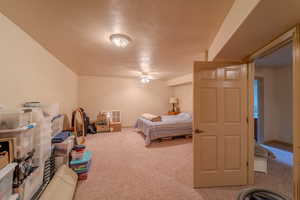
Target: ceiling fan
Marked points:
147	77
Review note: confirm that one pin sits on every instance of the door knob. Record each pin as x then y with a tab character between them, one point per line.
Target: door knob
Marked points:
197	131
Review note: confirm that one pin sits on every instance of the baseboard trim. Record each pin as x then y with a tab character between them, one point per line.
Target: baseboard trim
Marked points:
127	126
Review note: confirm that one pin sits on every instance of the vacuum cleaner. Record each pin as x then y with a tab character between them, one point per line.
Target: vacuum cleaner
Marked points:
261	194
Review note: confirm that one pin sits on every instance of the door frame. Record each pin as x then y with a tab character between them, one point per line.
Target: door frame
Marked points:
293	35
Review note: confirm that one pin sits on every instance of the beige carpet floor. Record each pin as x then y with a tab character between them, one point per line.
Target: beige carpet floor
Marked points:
123	168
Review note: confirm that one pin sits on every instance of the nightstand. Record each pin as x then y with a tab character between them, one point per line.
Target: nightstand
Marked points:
173	113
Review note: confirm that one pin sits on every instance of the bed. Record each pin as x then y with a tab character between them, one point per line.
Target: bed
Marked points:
170	125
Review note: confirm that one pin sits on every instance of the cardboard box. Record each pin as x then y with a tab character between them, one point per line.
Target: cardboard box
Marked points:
115	127
102	128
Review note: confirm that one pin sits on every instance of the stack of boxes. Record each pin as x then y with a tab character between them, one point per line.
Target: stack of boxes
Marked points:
102	122
109	122
64	149
81	161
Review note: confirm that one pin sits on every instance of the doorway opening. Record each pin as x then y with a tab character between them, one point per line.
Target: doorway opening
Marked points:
258	110
273	116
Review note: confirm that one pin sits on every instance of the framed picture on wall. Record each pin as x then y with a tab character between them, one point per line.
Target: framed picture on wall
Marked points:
6	151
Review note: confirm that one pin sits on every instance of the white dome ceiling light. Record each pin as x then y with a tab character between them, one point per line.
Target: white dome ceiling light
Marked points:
120	40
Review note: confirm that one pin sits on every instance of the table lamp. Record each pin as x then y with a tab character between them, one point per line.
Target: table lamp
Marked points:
173	101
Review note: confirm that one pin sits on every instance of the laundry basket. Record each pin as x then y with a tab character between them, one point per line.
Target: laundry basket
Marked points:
260	194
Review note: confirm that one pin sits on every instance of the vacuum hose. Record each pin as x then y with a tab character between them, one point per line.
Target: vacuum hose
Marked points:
261	194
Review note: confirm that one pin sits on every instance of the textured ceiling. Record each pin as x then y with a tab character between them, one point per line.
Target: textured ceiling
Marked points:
268	20
282	57
167	35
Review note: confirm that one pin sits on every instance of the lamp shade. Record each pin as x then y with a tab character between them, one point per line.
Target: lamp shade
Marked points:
173	100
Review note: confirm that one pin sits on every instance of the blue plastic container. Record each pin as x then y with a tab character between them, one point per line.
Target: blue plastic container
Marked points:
87	156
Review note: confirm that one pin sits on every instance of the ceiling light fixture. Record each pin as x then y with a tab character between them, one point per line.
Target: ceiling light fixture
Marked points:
145	79
120	40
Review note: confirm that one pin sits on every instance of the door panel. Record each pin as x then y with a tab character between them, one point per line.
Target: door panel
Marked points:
209	150
208	103
232	103
232	152
220	129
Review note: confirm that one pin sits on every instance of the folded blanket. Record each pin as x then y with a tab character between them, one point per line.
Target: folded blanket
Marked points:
62	136
153	118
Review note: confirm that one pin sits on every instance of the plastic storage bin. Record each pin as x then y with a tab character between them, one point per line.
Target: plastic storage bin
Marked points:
61	136
79	148
81	167
57	124
76	155
42	137
14	197
82	176
61	160
6	181
87	156
32	184
24	140
64	148
42	153
12	119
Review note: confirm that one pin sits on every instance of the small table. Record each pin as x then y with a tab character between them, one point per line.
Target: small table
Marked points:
173	113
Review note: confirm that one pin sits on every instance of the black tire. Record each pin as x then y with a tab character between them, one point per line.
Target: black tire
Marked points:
261	194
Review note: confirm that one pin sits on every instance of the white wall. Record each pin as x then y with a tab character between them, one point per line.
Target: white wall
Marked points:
30	73
185	95
270	108
277	102
128	95
185	79
284	101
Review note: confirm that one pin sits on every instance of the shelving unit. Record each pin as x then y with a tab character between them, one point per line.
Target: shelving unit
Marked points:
24	128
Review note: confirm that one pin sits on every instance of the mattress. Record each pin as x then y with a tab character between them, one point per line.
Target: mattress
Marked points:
170	125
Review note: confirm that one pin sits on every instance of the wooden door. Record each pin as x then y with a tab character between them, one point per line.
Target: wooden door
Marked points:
220	124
